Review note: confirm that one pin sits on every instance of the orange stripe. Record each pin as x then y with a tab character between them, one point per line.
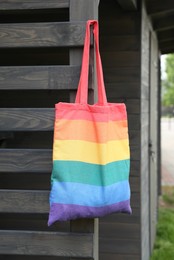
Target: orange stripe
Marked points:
99	132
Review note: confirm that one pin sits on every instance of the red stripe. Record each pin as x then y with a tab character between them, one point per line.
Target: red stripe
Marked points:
73	111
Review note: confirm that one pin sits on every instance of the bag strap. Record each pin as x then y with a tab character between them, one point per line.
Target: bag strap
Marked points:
82	92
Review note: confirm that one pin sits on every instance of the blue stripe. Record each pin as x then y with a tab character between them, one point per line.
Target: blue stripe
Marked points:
89	195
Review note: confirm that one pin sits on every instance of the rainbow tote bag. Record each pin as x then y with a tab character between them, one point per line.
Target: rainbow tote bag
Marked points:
91	157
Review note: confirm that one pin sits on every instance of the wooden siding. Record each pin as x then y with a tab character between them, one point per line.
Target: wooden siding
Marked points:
40	47
38	72
42	35
32	5
46	243
39	77
120	51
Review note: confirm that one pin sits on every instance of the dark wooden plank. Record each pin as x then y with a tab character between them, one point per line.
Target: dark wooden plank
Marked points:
46	243
117	230
32	98
119	246
121	74
20	180
164	22
31	257
134	171
135	153
135	168
125	256
166	39
120	27
135	199
133	106
117	22
121	90
28	221
166	44
165	35
167	50
26	119
119	43
27	140
133	122
134	218
155	7
134	137
30	4
24	201
121	59
62	34
134	184
128	5
34	56
25	160
39	77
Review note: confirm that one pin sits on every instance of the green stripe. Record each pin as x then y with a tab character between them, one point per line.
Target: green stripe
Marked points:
94	174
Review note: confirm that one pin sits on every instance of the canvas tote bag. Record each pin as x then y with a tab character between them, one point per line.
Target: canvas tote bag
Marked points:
91	159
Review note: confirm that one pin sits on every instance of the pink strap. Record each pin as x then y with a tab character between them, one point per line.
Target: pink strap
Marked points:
82	92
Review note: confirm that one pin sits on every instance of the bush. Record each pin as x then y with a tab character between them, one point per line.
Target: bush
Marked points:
164	244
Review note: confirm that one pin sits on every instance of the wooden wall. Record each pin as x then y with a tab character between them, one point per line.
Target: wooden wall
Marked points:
40	47
120	236
39	66
130	53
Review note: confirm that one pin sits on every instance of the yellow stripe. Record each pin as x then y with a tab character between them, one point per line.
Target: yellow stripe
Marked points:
75	150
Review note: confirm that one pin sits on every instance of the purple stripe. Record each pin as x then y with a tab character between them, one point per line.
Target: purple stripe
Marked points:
64	212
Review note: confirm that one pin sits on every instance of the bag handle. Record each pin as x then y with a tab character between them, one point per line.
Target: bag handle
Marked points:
82	92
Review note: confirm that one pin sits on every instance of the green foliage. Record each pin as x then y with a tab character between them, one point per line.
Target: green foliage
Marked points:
165	251
168	198
164	244
167	93
169	67
168	83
